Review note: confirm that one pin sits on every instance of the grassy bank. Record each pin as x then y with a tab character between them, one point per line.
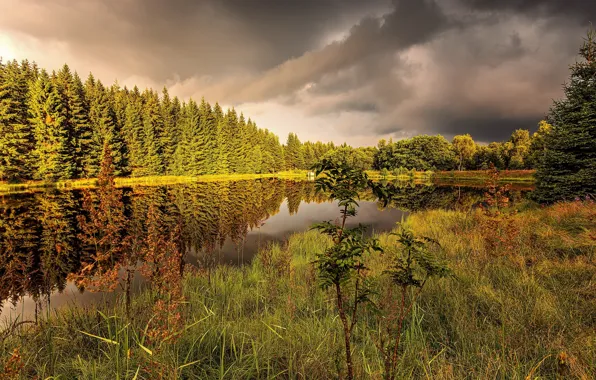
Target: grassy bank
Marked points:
32	186
522	305
484	175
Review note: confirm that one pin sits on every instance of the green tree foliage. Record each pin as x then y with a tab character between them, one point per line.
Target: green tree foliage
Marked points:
75	111
16	137
538	143
103	130
420	153
568	166
360	158
518	149
152	133
342	265
133	133
53	148
464	148
293	155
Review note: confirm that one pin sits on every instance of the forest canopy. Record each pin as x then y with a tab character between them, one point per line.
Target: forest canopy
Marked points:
53	126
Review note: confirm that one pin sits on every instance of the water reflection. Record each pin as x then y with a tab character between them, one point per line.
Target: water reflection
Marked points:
43	236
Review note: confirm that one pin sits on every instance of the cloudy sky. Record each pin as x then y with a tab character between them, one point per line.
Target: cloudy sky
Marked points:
330	70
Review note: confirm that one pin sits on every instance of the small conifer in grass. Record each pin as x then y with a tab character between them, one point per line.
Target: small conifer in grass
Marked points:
342	267
567	168
413	265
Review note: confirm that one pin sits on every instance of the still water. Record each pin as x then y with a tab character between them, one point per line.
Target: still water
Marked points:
219	222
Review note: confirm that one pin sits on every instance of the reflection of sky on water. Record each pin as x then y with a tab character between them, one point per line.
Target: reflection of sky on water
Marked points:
275	229
280	226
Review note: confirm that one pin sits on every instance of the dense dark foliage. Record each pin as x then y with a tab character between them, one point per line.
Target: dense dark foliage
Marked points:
567	161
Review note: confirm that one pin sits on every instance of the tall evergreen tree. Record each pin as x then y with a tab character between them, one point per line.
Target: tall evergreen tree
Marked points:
225	138
568	166
152	129
133	133
104	130
170	112
293	153
75	112
53	153
16	137
207	139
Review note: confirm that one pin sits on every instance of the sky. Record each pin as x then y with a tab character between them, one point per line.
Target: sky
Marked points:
350	71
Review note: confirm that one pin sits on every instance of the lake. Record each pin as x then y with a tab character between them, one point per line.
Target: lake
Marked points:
218	222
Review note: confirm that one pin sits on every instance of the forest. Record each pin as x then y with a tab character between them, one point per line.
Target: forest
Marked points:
485	282
53	127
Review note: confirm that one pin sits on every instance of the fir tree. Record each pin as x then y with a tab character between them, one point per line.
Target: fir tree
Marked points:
152	129
293	153
16	138
567	168
207	142
170	112
104	130
75	111
133	133
53	153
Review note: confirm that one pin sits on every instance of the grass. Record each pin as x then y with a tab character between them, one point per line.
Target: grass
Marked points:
483	175
521	308
32	186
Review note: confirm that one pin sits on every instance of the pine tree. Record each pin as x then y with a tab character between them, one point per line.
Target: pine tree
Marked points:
568	167
16	137
52	154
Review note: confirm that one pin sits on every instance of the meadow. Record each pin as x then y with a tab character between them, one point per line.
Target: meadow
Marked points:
521	304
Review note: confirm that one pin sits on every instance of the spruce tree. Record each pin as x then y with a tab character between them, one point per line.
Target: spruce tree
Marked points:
567	168
170	112
16	138
178	165
104	130
53	154
75	112
194	157
293	153
208	138
225	136
152	129
133	133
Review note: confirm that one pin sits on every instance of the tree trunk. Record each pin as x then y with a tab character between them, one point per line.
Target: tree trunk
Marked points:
344	321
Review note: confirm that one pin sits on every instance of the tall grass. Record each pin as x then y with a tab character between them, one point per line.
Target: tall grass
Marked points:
522	313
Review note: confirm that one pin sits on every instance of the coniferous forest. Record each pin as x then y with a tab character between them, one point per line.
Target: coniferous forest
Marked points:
53	127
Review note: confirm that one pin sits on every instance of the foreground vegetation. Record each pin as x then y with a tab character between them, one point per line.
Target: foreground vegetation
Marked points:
520	305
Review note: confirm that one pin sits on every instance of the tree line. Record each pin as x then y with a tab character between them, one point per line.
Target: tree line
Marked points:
53	127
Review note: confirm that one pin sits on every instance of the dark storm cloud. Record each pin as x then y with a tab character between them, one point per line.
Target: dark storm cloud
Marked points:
398	66
584	10
183	37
